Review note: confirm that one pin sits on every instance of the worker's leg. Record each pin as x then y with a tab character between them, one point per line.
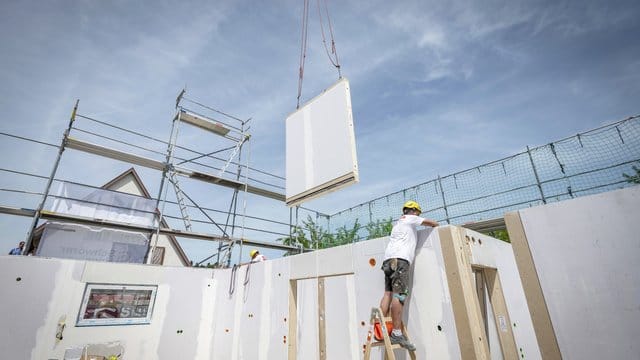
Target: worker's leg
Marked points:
400	288
385	303
397	337
396	312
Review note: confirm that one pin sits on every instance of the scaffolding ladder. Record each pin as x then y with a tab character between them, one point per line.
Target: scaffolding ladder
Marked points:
377	317
173	178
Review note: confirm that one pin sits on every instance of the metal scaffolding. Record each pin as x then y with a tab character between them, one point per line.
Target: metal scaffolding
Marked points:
232	174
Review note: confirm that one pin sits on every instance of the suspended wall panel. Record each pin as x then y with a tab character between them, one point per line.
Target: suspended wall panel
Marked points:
321	147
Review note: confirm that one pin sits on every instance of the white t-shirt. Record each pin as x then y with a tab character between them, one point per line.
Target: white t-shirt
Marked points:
404	237
259	258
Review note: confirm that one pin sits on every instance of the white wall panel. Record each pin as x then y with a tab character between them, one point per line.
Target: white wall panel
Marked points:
320	145
224	329
307	319
429	303
303	265
276	289
252	323
336	260
427	307
184	312
251	316
341	322
586	253
23	312
369	285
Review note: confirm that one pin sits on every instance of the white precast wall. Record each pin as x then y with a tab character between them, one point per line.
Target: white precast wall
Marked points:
586	253
40	293
354	284
242	314
321	145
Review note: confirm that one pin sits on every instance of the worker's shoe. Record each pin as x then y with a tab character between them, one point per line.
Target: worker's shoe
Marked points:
402	341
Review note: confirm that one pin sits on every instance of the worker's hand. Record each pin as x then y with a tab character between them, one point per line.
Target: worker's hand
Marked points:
428	222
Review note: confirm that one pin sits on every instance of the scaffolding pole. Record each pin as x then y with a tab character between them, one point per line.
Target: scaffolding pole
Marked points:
36	217
165	169
535	173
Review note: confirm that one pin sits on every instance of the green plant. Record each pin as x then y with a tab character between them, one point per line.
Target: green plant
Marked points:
379	228
346	236
633	179
313	236
297	238
499	234
318	236
310	235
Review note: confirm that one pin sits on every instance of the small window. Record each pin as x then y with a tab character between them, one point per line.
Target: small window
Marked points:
111	304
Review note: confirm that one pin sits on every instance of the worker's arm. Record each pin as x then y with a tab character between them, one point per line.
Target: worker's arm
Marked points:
429	222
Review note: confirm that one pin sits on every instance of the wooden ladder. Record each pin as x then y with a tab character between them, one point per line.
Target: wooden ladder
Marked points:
376	316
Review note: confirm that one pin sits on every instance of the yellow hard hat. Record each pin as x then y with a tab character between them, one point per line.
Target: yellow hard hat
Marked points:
253	253
412	205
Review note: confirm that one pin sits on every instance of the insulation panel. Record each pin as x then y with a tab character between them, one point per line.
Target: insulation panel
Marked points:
234	314
585	253
321	147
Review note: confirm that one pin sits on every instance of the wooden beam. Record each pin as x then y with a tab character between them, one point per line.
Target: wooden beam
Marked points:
500	314
17	211
292	338
464	300
158	165
546	336
322	336
90	148
202	123
323	276
213	179
325	188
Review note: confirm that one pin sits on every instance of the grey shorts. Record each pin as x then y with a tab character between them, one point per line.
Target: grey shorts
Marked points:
396	275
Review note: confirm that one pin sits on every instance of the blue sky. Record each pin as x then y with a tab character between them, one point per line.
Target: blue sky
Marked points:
436	86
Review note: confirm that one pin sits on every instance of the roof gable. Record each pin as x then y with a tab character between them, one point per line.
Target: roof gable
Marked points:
131	177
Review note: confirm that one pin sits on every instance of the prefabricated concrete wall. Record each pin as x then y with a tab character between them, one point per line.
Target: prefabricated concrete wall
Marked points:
40	293
579	260
310	306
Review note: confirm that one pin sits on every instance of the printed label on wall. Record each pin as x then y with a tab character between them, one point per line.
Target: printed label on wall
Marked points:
503	323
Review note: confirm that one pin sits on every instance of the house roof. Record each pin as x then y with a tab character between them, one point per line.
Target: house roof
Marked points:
138	181
131	172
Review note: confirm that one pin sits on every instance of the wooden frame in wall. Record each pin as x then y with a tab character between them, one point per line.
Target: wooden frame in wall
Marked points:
546	336
292	338
469	319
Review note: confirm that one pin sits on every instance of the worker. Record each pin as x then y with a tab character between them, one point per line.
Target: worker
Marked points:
256	256
18	250
398	256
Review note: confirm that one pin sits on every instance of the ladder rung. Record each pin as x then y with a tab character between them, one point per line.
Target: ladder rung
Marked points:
386	320
376	316
381	343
